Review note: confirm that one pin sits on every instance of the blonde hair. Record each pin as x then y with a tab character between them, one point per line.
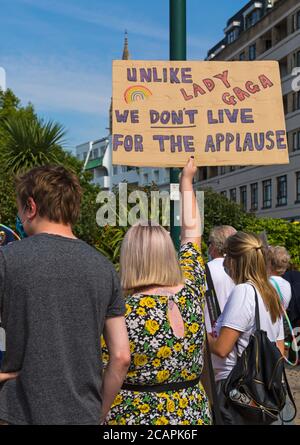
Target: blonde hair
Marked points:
248	257
219	235
279	259
148	257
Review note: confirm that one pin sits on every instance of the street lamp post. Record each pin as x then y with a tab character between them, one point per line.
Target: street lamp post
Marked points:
177	52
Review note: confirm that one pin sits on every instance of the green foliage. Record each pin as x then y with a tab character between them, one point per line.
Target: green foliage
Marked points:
29	142
279	233
111	237
218	210
26	142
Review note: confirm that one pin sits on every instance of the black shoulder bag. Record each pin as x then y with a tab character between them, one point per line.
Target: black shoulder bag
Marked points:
211	299
255	387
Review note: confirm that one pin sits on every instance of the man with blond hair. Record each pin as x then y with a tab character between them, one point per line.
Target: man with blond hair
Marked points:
57	296
222	283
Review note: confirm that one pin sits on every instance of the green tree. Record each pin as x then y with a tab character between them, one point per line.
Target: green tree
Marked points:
42	147
30	142
218	210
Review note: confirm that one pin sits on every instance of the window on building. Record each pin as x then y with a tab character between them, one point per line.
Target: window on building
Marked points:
296	140
296	21
282	190
146	178
268	44
115	170
95	153
252	52
232	35
296	101
243	197
285	104
156	177
298	187
242	56
224	193
123	169
232	194
267	194
254	196
296	59
253	18
232	168
222	170
130	168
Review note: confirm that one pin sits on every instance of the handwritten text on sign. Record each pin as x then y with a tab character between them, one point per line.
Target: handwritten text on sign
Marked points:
223	113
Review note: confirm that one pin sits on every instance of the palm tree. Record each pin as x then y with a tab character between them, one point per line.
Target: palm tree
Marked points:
30	142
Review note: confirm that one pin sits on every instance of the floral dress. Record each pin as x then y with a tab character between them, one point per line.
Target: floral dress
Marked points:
158	356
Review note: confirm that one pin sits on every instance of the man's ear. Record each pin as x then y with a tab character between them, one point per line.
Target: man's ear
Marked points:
31	208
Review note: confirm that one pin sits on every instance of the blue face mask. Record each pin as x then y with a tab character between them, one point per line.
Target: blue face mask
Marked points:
20	228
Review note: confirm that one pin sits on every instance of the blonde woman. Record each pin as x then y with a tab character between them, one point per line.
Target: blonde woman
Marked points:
246	264
165	322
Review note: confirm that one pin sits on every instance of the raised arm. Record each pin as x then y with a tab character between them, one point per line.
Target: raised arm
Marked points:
190	215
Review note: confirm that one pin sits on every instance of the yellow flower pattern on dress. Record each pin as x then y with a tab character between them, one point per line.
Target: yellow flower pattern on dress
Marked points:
159	357
148	302
162	376
140	360
151	326
164	352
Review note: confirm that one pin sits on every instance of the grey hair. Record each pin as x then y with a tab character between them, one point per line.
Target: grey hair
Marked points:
218	236
279	259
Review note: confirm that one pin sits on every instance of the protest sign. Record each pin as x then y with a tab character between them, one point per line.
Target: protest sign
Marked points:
222	113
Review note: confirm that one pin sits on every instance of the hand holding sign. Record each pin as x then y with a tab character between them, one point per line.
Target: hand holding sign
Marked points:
222	113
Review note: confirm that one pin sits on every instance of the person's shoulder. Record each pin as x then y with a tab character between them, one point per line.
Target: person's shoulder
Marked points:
216	265
242	290
16	247
96	255
283	283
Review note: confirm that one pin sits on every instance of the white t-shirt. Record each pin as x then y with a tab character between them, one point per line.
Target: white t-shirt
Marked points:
223	286
285	289
239	314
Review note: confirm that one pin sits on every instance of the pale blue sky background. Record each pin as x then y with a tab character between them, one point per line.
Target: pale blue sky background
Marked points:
58	53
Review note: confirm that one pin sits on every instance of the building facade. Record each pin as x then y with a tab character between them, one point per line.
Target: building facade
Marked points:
97	158
265	30
2	79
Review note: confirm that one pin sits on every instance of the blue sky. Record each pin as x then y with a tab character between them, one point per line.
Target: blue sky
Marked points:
58	53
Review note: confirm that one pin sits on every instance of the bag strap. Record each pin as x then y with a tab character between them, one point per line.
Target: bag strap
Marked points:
291	397
215	400
257	318
294	341
277	288
211	298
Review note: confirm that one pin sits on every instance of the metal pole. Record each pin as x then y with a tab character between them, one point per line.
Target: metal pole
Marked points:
177	52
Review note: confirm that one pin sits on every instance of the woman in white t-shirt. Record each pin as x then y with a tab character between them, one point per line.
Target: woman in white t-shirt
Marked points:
278	263
246	263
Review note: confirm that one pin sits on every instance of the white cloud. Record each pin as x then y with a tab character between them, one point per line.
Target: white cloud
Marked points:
58	84
117	21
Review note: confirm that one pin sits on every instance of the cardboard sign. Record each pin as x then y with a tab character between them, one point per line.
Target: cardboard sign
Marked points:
222	113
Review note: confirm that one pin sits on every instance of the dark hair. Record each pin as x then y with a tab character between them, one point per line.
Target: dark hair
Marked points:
55	190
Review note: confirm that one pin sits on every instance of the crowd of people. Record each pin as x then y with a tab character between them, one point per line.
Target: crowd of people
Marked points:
85	345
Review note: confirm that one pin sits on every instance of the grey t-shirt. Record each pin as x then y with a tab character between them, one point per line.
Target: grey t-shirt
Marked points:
55	294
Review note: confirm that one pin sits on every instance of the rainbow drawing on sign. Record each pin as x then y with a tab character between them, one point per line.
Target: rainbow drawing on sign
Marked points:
136	93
